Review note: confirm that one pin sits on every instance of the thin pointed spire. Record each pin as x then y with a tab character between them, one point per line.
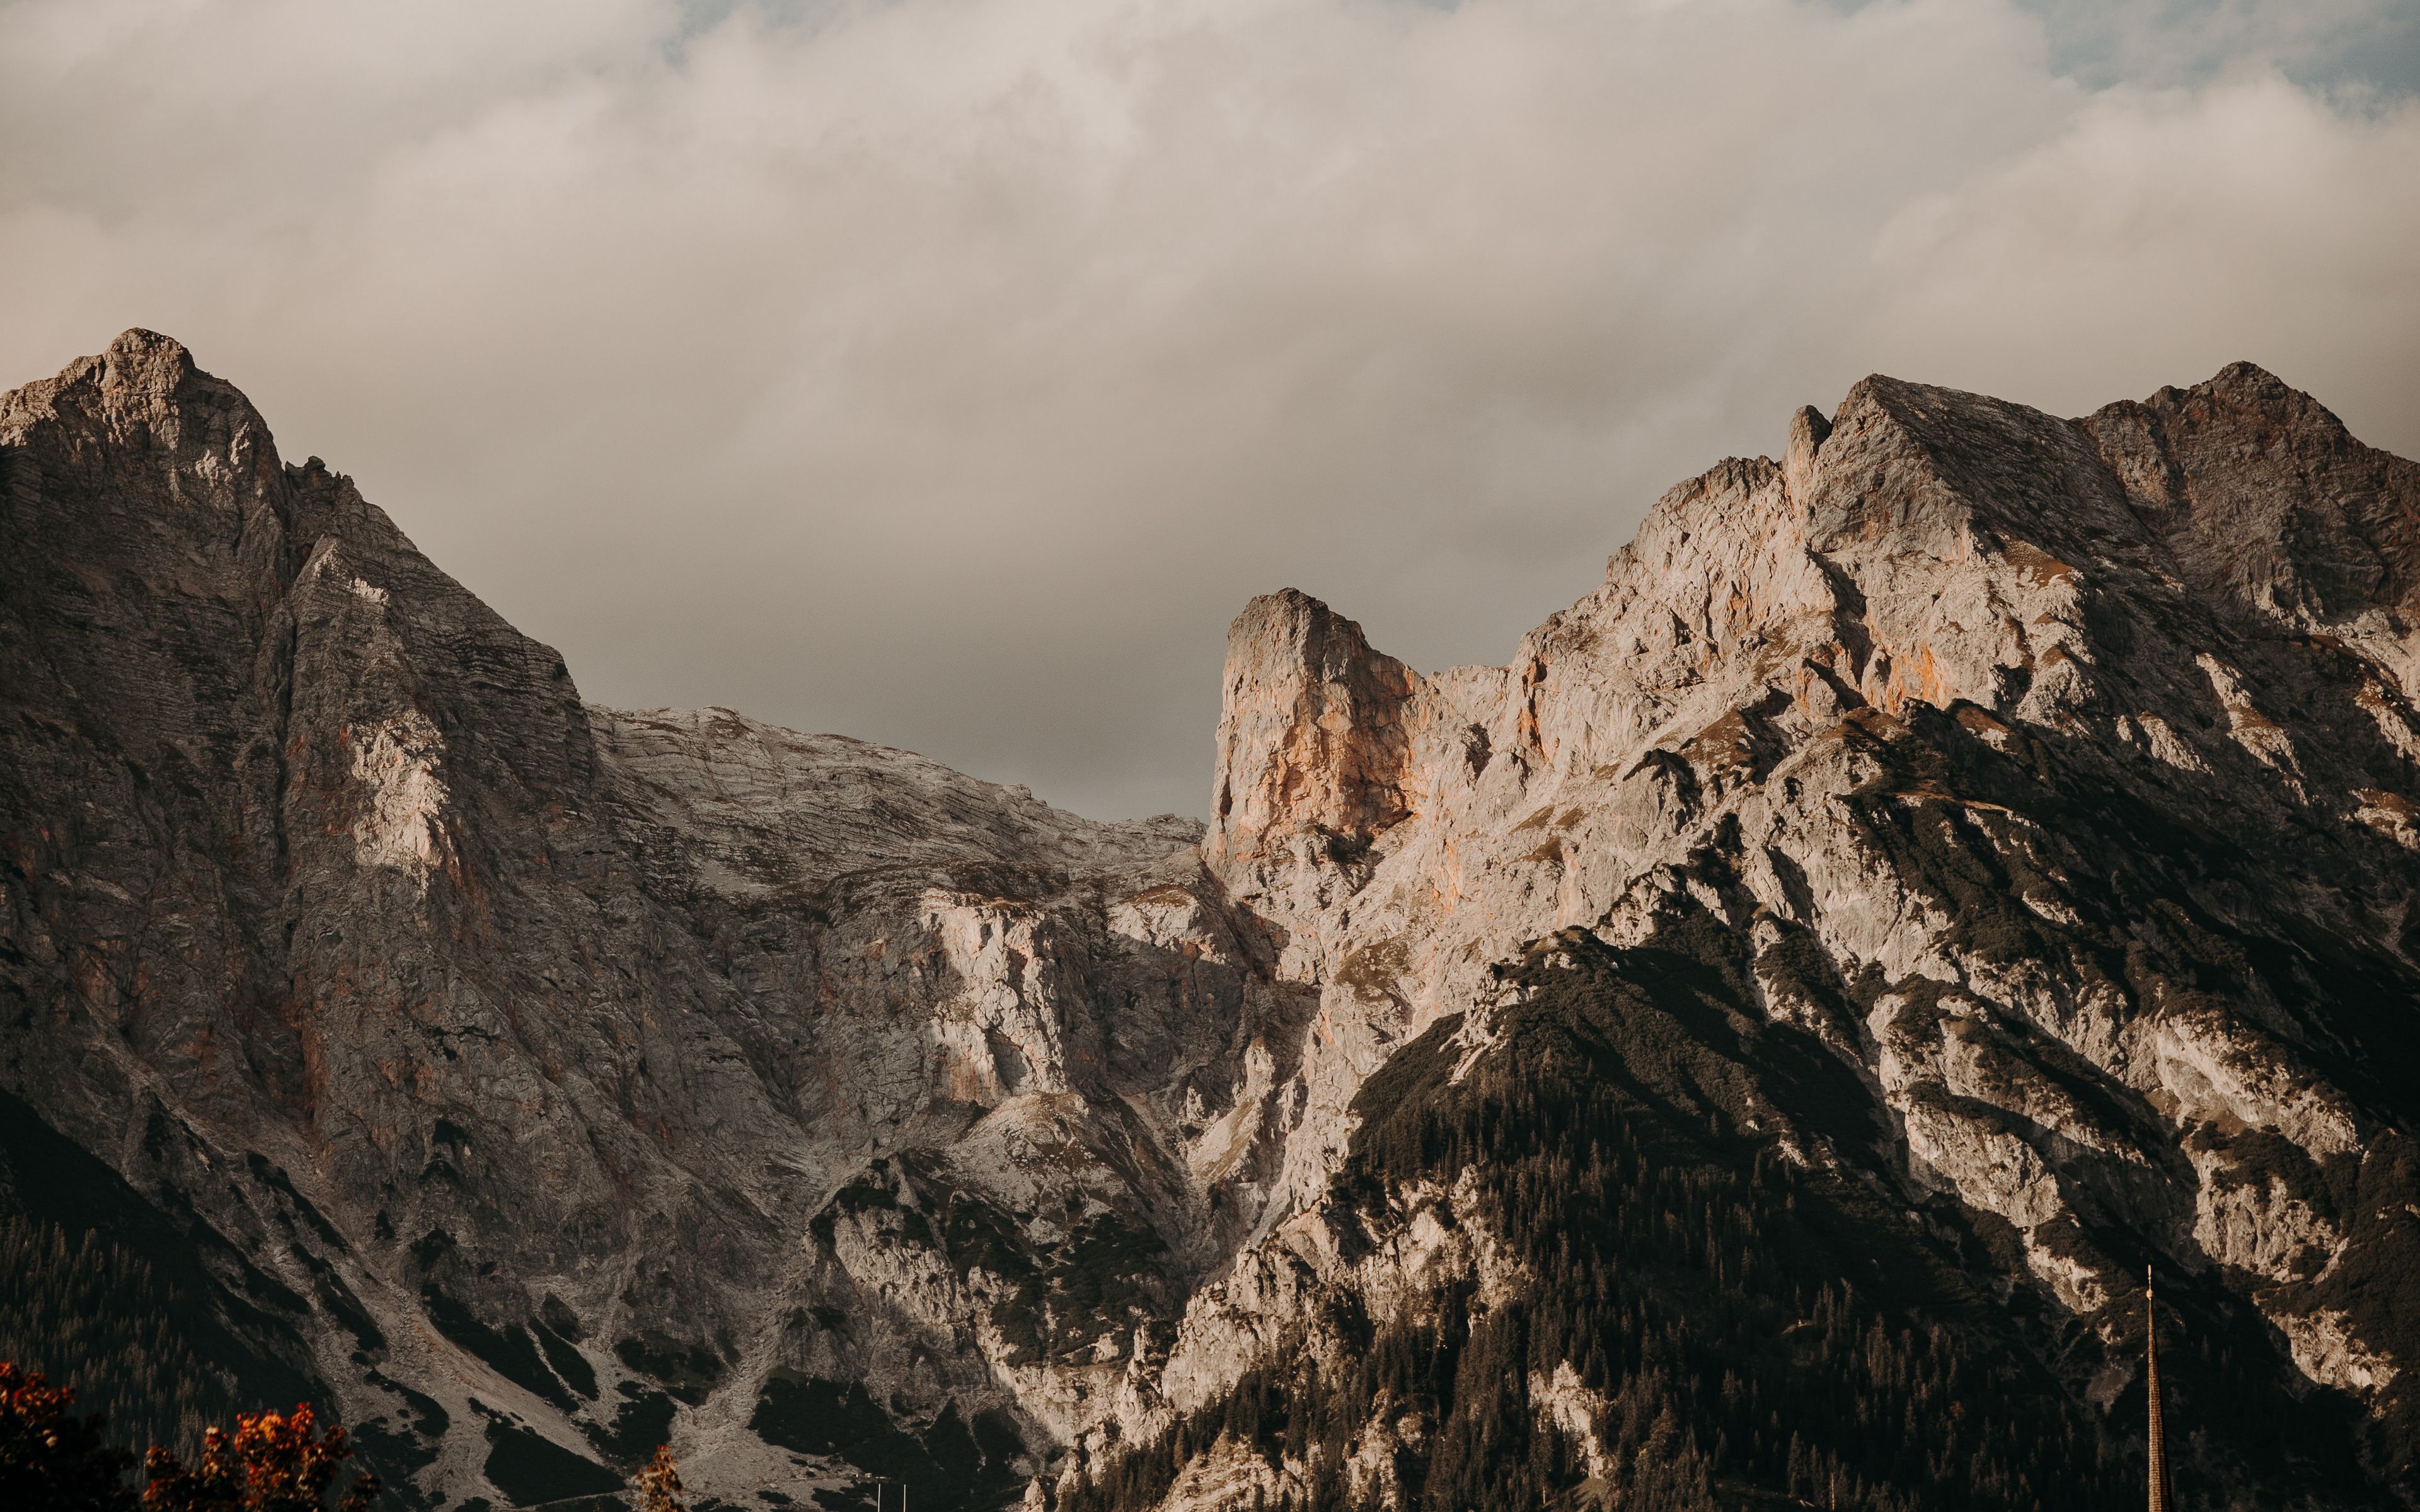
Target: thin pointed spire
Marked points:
2161	1501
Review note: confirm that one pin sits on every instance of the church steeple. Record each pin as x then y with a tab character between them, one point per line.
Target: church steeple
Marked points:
2161	1501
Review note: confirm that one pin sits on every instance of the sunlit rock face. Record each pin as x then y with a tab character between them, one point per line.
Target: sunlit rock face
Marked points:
2028	805
2053	776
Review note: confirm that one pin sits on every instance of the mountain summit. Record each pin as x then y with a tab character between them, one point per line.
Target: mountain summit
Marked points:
1745	1052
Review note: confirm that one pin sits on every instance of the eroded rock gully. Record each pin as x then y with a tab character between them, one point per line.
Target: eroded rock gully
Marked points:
1977	848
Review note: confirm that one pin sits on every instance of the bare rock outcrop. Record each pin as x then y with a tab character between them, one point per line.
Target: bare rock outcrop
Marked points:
2046	778
1313	746
570	1080
1934	877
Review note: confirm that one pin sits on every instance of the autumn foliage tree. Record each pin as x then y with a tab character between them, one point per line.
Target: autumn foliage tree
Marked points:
273	1463
660	1483
50	1458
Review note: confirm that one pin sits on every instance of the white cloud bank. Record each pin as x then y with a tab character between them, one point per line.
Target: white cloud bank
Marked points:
947	372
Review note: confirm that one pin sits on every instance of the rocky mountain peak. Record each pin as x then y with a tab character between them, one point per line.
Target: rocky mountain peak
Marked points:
141	359
145	391
1312	745
1808	430
2263	500
1933	878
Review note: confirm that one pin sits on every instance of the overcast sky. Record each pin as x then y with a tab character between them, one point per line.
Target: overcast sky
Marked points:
949	372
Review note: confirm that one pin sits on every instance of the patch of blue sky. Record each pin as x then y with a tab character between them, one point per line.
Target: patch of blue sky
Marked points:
2338	46
2344	48
699	17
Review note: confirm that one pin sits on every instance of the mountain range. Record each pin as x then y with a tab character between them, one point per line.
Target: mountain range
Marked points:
1750	1050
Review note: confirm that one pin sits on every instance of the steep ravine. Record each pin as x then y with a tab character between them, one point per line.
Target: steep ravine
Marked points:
1750	1047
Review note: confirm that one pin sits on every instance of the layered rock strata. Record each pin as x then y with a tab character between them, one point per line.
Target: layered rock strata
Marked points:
1979	844
2053	776
549	1081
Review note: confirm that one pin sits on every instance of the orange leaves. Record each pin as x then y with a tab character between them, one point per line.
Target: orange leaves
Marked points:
273	1463
50	1459
660	1483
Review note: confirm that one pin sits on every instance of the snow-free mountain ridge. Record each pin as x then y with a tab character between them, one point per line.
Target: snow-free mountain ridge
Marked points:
1750	1045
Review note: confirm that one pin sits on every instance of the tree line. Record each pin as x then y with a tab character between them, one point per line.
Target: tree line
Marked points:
54	1460
1749	1326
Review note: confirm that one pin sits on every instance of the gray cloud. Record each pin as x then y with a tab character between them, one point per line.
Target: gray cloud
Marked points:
947	372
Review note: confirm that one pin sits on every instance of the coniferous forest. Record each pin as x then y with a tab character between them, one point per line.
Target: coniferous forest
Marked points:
159	1327
88	1310
1758	1330
1755	1319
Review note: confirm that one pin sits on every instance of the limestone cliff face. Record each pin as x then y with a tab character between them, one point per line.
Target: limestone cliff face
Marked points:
1312	749
2053	776
1994	831
550	1081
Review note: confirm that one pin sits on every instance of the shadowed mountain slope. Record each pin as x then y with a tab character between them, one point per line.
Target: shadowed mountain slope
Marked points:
545	1075
1747	1049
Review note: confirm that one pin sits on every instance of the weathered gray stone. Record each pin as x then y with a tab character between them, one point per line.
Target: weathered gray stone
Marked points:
2084	749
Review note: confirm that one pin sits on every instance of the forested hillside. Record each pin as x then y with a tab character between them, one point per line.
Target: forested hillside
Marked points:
1743	1328
165	1329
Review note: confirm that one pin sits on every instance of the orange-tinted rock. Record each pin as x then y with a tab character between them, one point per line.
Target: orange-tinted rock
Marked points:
2048	785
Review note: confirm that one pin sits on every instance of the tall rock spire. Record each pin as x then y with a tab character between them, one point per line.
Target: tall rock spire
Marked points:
1311	733
2161	1501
